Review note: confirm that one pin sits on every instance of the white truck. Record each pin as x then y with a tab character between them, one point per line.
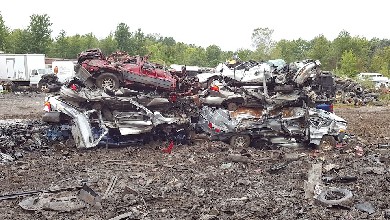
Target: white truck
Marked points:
22	69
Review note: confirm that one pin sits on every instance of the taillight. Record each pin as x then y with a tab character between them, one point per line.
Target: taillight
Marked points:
210	125
73	87
214	88
331	108
47	107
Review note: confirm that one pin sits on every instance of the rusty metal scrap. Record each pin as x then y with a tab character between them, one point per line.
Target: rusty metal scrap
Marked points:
255	112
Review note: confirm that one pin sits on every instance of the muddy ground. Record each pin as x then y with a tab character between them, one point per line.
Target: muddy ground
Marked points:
202	180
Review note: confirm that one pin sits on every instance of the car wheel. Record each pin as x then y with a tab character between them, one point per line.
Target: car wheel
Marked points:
334	196
240	141
43	87
107	81
327	143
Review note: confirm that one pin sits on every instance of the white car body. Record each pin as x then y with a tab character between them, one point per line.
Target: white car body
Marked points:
253	75
378	79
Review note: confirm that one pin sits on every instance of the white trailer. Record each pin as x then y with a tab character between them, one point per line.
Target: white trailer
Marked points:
65	69
20	68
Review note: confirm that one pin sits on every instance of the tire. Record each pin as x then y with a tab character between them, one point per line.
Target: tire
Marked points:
324	196
240	141
43	87
327	143
359	90
107	81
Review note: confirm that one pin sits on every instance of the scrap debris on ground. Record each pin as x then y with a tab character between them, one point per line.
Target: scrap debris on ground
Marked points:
207	180
167	170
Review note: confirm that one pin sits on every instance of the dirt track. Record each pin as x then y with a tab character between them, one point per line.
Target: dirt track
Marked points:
21	105
201	181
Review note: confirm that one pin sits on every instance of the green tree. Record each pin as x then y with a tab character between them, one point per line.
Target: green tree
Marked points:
319	50
377	44
360	47
340	44
89	41
3	35
300	48
18	41
40	32
138	43
244	54
290	50
60	47
155	49
167	47
108	44
194	55
180	55
122	36
381	61
348	64
262	41
76	45
213	55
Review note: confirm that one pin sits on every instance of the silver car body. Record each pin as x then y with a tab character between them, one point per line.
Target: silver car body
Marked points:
309	123
140	121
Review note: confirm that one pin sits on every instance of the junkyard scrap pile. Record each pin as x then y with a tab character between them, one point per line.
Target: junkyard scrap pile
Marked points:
351	92
168	171
125	95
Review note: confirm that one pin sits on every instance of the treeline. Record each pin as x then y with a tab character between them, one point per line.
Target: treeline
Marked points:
346	54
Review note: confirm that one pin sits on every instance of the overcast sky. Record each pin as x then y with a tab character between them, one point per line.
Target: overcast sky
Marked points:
227	23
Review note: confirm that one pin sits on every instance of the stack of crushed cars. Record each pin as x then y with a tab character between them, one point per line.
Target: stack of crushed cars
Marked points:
123	99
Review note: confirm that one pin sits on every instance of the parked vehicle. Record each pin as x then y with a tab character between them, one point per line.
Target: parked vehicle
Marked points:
22	69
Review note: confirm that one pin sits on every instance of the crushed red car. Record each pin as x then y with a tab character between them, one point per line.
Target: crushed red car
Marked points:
121	69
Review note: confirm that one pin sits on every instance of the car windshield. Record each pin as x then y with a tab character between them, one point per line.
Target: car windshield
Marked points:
41	71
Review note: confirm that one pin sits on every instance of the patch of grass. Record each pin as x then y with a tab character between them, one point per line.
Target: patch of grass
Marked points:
385	98
342	105
367	84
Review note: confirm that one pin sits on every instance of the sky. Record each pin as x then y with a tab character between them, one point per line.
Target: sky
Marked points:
228	24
